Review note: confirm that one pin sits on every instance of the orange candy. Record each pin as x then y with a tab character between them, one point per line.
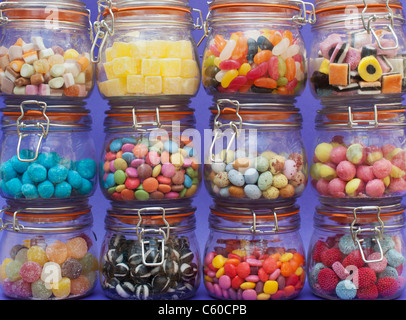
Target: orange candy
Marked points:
164	188
275	38
77	247
79	286
263	56
241	49
140	150
290	69
127	194
220	42
57	252
288	34
286	269
235	262
289	291
266	83
150	185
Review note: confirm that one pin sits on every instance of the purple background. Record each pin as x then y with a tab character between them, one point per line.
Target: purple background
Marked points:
201	103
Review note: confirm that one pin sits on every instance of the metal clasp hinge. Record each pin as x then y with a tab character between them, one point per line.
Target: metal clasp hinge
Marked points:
14	226
102	29
160	231
378	230
139	126
254	228
21	126
302	18
352	123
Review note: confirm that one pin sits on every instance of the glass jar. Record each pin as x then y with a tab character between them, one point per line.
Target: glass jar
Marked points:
254	254
150	254
257	154
147	51
358	51
45	50
256	50
47	153
150	154
360	154
47	253
357	252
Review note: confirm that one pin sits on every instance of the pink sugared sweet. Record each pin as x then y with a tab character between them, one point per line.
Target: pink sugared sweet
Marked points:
346	170
322	187
375	188
336	188
365	173
290	169
397	185
386	149
382	168
338	154
400	163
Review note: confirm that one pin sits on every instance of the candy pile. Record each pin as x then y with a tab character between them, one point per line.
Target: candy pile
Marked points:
339	271
33	69
265	61
37	270
357	65
267	176
50	176
125	276
244	270
151	67
358	171
139	169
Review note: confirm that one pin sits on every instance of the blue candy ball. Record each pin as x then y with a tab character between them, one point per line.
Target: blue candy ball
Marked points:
57	174
14	187
7	171
171	146
37	172
129	140
46	189
63	190
110	182
66	163
25	178
86	168
75	179
346	290
48	160
115	145
86	188
19	166
128	157
29	191
188	181
395	258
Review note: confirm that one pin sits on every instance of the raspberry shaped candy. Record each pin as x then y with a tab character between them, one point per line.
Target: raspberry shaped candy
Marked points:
354	258
369	293
366	277
318	249
329	256
387	287
327	279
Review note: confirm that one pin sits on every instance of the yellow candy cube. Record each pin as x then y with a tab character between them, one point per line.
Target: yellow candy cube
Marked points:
189	68
189	86
171	67
172	50
121	66
120	50
109	52
114	87
135	84
151	67
185	49
71	54
153	85
109	69
172	85
62	288
157	48
138	49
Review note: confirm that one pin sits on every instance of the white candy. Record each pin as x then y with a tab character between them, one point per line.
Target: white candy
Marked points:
69	80
71	66
57	70
29	47
27	70
31	58
299	73
292	50
228	50
220	75
56	83
19	91
57	92
81	78
281	47
9	76
15	52
38	43
43	54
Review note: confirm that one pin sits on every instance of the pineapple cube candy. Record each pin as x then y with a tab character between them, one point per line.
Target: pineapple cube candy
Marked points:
109	54
121	66
120	50
114	87
109	70
171	67
189	86
151	67
172	85
185	49
189	69
138	49
135	84
157	48
153	85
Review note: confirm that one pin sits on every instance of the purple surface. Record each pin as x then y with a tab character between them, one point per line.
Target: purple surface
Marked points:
201	104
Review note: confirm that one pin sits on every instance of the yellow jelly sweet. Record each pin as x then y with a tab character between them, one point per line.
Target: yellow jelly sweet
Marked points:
61	289
185	49
135	84
228	77
138	49
189	68
325	66
171	67
153	84
37	254
327	173
322	152
114	87
189	86
220	272
248	285
286	257
120	50
244	69
3	269
71	54
271	287
172	85
151	67
263	296
218	261
157	48
352	187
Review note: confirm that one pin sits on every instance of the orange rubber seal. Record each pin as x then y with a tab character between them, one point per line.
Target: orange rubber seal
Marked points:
52	217
120	10
256	115
34	114
33	14
364	115
245	4
148	114
339	217
373	5
232	216
153	219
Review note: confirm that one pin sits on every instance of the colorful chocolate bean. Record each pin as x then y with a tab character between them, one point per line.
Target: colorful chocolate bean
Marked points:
35	69
136	169
358	171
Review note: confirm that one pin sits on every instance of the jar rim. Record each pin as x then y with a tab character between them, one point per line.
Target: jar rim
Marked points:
329	5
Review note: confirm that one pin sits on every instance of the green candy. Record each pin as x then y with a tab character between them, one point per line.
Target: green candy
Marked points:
265	180
282	81
141	195
209	61
40	291
87	263
195	181
182	193
111	190
119	177
281	67
191	172
12	270
261	164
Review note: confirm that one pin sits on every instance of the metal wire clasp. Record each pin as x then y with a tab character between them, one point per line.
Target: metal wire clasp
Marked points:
139	126
254	228
44	127
14	226
352	123
164	233
102	29
378	230
235	126
301	18
374	17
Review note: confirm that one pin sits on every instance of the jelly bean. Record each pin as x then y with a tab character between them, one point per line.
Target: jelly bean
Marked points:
228	77
252	49
237	82
273	69
209	61
241	49
244	69
214	50
282	67
266	83
262	56
258	71
287	34
264	43
229	65
228	50
220	42
290	69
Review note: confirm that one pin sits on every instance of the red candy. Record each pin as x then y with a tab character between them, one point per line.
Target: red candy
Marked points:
269	265
243	270
258	71
387	287
229	65
327	279
329	256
